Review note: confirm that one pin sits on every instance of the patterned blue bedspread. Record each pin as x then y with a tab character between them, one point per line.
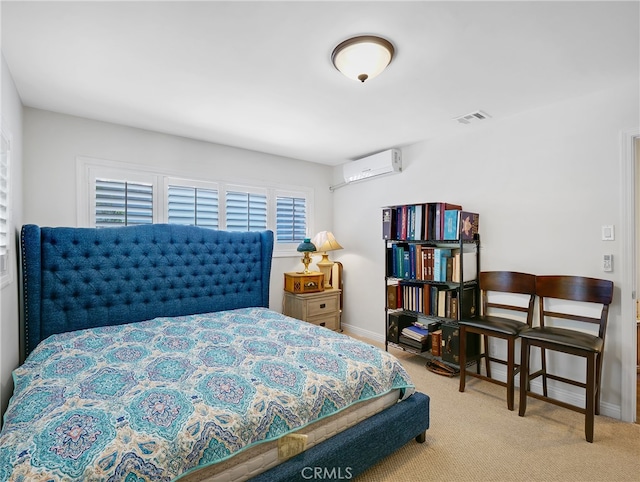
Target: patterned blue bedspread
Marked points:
156	399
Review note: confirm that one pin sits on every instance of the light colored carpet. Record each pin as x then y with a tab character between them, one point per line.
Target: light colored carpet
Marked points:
472	436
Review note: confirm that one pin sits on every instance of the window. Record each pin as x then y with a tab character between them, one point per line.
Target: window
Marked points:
5	219
123	203
120	195
245	211
291	219
192	206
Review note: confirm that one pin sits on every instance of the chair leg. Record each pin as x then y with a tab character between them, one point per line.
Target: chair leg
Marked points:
463	356
598	380
524	376
590	408
510	372
487	362
543	359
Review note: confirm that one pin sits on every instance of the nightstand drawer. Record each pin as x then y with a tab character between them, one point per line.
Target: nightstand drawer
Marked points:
331	321
322	306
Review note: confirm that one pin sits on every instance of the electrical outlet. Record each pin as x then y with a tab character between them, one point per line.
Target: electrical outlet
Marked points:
607	262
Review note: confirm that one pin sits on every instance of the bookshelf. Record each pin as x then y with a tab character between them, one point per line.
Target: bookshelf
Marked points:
432	261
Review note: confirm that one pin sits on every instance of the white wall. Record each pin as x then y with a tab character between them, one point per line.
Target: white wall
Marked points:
544	183
53	142
12	125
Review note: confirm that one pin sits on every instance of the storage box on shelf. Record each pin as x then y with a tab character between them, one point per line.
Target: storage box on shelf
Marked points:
432	254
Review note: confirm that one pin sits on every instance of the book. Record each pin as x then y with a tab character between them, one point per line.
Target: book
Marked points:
426	299
411	296
388	223
451	219
442	297
400	255
406	264
449	268
415	332
411	222
440	263
419	221
439	219
469	223
421	325
427	263
436	343
404	226
419	271
433	300
430	217
454	305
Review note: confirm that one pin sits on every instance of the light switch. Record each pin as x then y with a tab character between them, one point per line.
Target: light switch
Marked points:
607	233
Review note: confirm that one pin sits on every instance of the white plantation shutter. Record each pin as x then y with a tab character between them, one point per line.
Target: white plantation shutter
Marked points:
115	194
193	206
4	202
291	219
123	203
246	211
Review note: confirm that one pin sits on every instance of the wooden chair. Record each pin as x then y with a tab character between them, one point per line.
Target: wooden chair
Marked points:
571	340
504	327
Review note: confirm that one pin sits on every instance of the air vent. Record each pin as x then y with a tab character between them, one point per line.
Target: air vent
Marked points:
472	117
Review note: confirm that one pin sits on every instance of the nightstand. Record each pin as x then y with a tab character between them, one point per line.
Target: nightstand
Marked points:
322	308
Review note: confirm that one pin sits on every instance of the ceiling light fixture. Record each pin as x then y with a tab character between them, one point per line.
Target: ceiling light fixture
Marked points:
362	58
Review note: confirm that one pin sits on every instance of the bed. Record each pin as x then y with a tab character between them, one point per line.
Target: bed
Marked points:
150	354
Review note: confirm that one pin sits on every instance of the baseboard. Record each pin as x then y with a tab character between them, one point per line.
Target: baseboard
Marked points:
499	372
364	333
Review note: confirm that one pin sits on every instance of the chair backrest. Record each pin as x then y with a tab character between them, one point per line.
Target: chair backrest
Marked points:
509	282
575	288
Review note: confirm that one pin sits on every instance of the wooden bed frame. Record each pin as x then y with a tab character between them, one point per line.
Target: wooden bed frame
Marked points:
77	278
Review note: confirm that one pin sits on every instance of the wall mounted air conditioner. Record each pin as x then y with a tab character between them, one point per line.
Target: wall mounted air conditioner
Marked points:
384	162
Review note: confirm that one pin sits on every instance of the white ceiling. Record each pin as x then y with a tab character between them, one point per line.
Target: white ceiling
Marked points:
258	75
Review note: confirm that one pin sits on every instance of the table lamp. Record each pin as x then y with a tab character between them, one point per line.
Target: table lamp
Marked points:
306	247
325	241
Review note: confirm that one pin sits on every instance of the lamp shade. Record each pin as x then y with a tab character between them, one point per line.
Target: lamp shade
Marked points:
362	58
325	241
306	246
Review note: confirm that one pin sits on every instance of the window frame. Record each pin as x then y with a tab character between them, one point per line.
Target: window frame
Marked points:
90	169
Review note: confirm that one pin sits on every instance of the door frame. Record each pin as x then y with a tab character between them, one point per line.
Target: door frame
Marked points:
629	194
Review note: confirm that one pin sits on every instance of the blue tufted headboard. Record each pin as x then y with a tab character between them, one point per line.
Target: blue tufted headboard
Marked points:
76	278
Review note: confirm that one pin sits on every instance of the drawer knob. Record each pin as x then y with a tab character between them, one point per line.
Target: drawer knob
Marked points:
323	305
